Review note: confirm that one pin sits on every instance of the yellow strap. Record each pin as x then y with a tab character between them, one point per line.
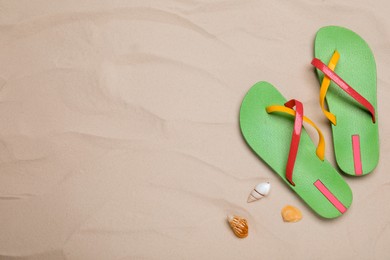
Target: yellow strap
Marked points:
325	85
321	143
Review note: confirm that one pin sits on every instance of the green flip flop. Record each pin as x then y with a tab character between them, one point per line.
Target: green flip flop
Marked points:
274	132
349	85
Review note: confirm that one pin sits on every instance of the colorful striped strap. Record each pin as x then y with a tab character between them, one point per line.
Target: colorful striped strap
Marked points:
299	117
331	75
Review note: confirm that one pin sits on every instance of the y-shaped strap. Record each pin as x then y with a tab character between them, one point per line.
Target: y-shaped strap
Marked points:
296	135
331	75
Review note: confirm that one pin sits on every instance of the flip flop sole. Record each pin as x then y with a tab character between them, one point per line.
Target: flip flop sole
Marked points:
269	136
355	137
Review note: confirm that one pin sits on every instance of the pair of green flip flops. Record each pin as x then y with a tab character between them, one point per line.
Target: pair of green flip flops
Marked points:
273	129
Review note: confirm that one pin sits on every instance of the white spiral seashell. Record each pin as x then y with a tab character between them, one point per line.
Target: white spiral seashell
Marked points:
261	190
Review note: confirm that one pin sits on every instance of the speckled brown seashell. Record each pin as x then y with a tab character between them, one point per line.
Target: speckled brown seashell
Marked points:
239	226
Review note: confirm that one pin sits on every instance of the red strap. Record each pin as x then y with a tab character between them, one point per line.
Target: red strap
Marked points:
344	86
296	136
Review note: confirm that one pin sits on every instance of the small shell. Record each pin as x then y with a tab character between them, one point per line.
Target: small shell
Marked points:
261	190
291	214
239	226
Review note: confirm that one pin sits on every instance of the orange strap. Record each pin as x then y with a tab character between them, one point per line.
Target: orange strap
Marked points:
325	85
320	151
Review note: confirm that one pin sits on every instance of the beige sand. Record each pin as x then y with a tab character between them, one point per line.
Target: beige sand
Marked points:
120	138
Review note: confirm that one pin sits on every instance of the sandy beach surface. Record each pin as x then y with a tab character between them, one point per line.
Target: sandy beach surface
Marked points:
120	137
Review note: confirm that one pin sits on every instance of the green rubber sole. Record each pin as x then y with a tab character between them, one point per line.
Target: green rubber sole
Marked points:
357	67
269	136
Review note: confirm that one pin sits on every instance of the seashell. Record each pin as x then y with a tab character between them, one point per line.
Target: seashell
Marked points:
291	214
261	190
239	226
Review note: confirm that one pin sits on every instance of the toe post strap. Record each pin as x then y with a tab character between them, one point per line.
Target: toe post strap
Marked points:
296	134
330	75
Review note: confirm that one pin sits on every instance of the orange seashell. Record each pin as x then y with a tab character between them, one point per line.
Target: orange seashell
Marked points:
239	226
291	214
